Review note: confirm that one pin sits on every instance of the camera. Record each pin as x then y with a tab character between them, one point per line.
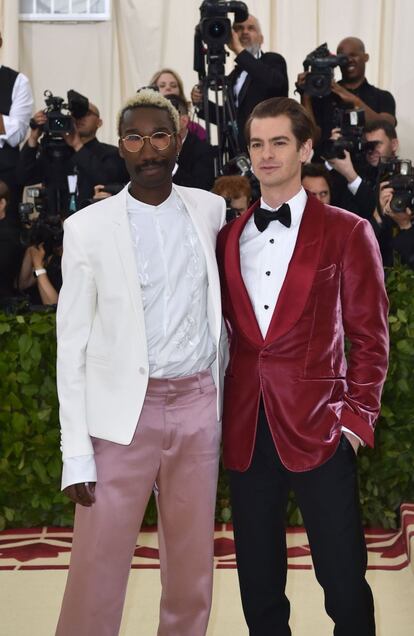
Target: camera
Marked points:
213	32
215	26
400	176
351	124
39	227
59	122
321	64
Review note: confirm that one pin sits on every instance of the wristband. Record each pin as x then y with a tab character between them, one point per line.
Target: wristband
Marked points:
39	272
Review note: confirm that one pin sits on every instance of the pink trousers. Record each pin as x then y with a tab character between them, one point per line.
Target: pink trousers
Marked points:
176	449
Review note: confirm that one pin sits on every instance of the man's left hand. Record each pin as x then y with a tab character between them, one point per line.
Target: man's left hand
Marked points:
343	94
234	44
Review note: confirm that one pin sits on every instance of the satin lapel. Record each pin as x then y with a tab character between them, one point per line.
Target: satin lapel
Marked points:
243	309
301	271
122	237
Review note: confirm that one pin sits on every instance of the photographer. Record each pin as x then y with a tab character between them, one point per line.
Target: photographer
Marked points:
354	183
10	247
40	274
92	161
256	77
394	229
195	163
352	92
238	194
317	181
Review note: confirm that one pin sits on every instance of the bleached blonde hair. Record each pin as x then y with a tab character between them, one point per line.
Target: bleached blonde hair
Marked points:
149	98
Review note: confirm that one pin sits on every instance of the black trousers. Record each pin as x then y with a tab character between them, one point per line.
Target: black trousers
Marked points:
328	500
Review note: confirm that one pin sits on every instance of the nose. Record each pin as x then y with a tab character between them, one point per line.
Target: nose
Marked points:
147	151
268	151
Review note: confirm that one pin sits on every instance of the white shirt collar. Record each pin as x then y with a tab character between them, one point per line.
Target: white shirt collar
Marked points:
133	205
297	205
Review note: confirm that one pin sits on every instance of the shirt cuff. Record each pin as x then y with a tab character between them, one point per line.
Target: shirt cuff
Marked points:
78	470
354	185
347	430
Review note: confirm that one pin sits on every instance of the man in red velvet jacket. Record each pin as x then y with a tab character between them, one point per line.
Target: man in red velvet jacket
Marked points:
297	276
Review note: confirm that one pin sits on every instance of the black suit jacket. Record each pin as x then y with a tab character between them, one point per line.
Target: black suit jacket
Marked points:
266	77
195	164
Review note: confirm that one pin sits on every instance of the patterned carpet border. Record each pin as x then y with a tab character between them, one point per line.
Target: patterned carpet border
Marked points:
49	548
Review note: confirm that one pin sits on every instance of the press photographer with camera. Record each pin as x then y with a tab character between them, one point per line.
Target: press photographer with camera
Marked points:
354	157
256	76
60	146
353	91
40	276
393	217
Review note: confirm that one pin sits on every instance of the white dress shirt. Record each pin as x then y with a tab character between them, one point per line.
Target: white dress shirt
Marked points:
172	281
265	258
16	122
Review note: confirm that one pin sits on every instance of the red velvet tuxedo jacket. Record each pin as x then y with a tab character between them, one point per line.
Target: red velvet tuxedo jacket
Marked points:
334	286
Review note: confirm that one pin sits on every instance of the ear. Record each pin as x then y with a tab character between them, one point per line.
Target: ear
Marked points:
3	205
99	123
305	150
121	148
395	145
366	57
178	143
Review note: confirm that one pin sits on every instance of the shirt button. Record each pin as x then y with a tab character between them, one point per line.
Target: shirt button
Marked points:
272	241
267	273
266	306
142	370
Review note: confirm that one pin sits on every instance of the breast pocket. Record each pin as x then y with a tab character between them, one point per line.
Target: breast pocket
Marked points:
324	274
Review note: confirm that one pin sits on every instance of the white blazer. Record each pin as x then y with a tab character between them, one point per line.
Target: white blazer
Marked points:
102	359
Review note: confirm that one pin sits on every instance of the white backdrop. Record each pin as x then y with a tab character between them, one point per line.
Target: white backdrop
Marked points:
108	61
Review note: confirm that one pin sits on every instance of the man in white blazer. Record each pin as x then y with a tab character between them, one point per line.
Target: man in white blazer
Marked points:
140	350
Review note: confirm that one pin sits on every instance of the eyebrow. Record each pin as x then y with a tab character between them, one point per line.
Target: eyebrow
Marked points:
278	138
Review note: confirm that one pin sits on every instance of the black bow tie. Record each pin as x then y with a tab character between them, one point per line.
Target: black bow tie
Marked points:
263	217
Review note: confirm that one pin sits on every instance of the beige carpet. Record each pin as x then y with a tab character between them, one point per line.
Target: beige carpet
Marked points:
33	568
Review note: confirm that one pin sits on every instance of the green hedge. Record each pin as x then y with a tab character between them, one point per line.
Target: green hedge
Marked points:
29	437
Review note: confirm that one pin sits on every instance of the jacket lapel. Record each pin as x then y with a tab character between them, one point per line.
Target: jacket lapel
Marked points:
244	89
301	271
239	297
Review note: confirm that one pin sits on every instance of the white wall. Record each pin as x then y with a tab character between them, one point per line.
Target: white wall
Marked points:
108	61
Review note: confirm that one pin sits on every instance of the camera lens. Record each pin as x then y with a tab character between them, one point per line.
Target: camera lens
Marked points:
217	29
319	82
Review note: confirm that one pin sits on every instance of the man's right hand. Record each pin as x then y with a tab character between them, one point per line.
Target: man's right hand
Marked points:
40	119
82	494
197	96
300	81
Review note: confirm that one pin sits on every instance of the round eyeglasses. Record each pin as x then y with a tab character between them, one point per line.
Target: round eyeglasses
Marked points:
158	140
